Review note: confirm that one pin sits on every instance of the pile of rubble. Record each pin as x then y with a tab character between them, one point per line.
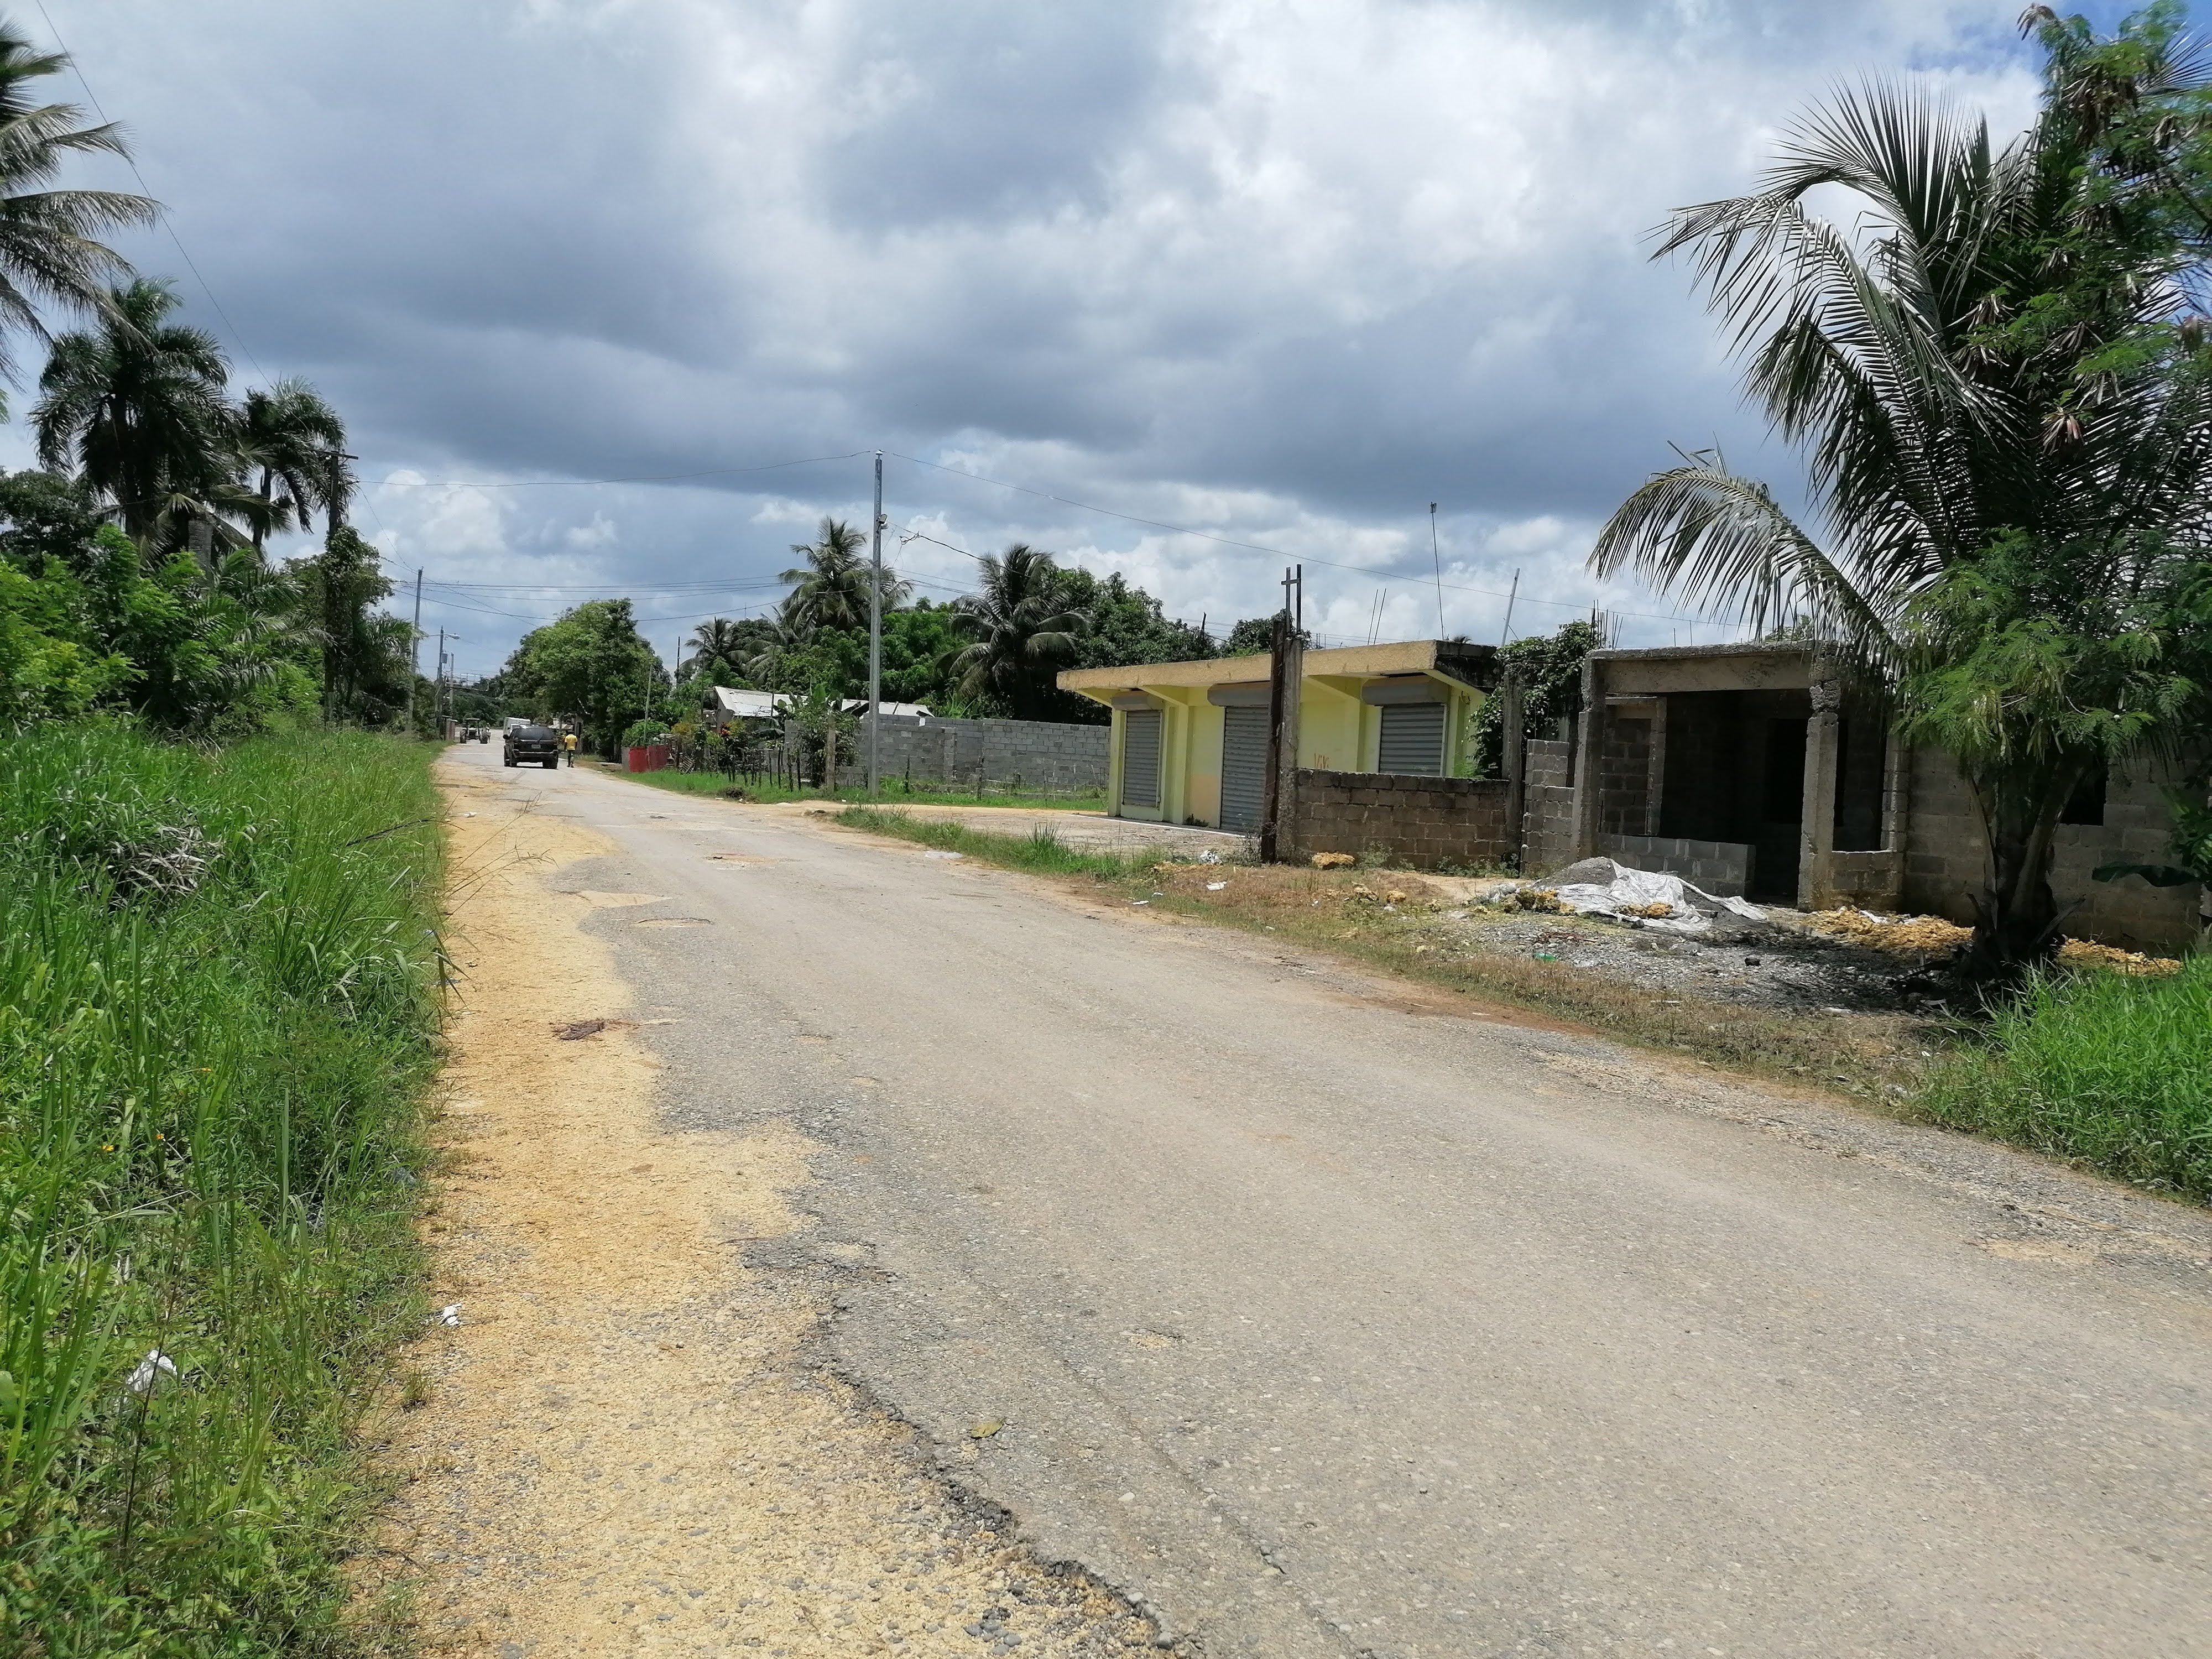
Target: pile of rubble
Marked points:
1641	898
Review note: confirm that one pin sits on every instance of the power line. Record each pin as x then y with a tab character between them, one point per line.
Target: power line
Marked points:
131	161
643	477
1255	547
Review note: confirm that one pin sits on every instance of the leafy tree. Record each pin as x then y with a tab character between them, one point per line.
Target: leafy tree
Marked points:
137	405
1254	636
591	665
2002	389
1550	669
1021	631
50	248
292	437
830	589
364	654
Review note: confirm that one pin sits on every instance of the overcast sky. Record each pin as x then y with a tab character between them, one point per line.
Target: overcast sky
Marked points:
1283	272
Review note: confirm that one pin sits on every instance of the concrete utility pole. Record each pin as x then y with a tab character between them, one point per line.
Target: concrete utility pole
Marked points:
1278	832
415	650
875	635
438	688
1505	638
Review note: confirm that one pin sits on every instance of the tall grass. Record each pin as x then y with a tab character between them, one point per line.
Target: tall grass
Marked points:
217	978
2113	1069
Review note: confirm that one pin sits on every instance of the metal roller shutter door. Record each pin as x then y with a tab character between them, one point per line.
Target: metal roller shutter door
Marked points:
1140	757
1412	739
1243	766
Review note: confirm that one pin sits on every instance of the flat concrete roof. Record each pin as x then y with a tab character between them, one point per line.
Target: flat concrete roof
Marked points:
1446	658
1762	666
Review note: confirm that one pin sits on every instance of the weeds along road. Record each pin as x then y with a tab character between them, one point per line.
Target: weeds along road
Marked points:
1325	1318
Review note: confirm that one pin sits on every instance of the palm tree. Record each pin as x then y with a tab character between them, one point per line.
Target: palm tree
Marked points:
1021	631
831	588
2009	434
793	633
293	438
50	248
716	644
137	408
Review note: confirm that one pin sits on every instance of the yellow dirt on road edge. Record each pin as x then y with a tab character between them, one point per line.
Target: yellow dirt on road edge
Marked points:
622	1447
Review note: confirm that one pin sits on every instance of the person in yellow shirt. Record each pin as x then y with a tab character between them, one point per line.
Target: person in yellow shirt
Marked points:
569	747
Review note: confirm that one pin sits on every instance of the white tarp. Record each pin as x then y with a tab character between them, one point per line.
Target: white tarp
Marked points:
1633	895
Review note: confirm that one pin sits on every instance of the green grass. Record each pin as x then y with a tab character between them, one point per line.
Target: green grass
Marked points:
2110	1069
896	793
209	1114
1040	850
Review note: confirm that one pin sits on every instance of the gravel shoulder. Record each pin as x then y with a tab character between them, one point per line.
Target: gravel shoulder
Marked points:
629	1445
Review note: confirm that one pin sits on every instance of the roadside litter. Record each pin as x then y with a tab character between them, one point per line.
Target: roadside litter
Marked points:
1641	898
450	1314
142	1375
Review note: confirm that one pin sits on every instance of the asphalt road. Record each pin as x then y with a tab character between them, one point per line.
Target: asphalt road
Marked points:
1329	1319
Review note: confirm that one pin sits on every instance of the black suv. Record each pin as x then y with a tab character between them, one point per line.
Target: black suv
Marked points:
540	744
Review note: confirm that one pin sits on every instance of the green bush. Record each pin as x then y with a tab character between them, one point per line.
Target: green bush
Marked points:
2114	1070
218	972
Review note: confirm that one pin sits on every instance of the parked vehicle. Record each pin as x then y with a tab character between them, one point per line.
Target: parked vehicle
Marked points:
538	744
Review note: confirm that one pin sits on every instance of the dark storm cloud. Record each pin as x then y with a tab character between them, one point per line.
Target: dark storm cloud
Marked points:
1291	271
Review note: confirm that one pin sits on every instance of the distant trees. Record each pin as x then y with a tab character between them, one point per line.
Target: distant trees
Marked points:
831	588
130	569
290	442
1021	631
137	407
2000	374
591	665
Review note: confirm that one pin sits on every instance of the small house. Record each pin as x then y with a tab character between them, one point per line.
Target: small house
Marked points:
1189	739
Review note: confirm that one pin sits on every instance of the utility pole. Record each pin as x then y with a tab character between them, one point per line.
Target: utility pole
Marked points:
1436	559
875	637
1278	826
438	691
1512	593
415	650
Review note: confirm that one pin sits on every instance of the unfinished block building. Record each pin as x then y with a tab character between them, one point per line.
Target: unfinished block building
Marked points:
1753	770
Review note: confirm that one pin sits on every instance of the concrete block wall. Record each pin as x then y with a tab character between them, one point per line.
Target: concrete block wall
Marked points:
1872	881
1548	820
1042	754
1722	868
1945	853
1623	777
1425	822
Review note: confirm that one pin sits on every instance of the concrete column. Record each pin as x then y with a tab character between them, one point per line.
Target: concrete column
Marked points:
1588	758
1816	834
1515	767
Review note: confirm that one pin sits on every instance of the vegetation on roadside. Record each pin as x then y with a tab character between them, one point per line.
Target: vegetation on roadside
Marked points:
218	975
1040	851
2113	1069
896	793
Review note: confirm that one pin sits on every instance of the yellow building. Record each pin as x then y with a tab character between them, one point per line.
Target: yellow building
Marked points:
1190	738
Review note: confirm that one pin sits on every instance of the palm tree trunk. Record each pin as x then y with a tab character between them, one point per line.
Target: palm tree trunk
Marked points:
2017	914
261	523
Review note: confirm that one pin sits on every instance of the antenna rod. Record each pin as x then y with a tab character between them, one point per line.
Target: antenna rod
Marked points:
1437	559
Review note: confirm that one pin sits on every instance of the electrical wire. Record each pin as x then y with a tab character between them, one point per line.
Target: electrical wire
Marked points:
1255	547
643	477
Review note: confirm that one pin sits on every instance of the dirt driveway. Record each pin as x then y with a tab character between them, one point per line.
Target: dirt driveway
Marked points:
1320	1315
